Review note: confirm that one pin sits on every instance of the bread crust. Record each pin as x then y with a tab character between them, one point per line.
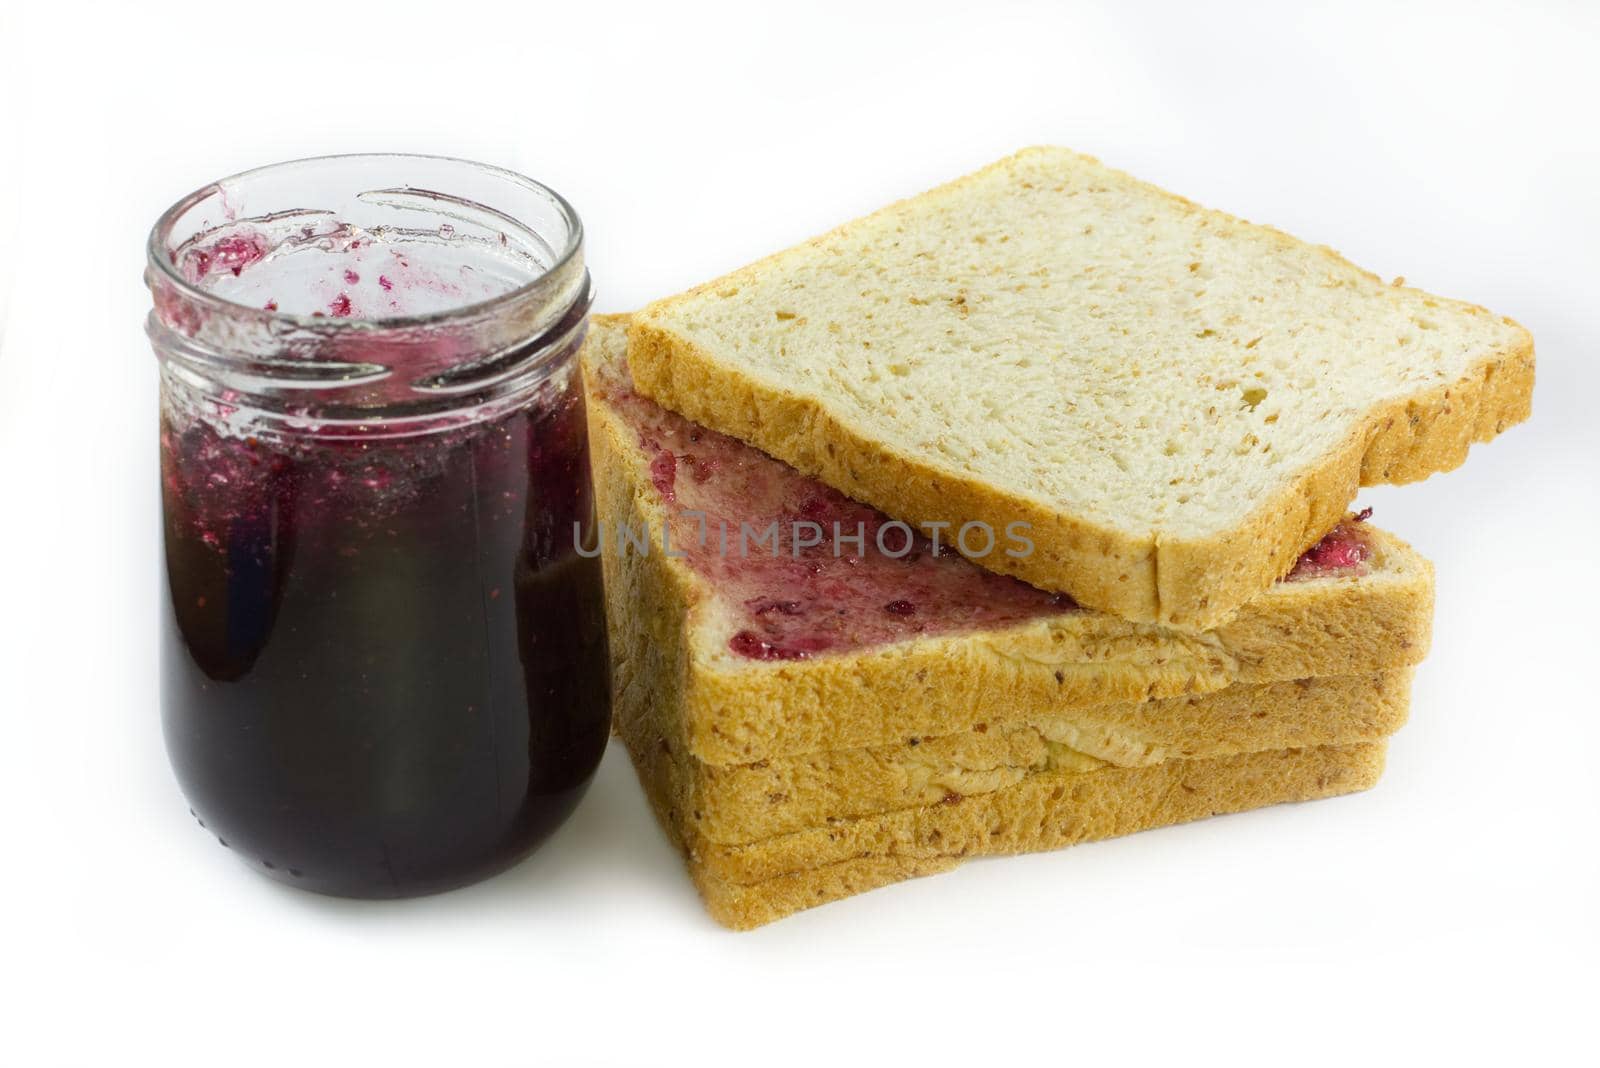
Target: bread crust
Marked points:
755	885
1190	583
739	804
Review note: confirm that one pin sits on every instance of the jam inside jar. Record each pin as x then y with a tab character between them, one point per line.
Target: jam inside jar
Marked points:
384	665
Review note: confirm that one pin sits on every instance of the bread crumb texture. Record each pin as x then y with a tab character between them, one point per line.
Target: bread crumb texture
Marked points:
1179	402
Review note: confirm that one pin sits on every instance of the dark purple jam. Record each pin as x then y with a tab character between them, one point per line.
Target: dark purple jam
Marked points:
385	665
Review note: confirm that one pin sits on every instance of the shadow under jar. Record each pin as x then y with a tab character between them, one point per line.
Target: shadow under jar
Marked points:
384	665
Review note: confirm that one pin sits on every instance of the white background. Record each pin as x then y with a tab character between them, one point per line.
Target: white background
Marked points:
1449	912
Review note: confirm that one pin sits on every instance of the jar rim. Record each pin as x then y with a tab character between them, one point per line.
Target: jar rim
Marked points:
157	249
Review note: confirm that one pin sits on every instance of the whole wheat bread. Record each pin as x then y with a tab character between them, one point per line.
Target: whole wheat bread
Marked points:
734	805
801	810
765	881
672	625
1176	402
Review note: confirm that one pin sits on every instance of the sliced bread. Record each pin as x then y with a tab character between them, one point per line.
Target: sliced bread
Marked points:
1174	402
743	803
748	657
748	886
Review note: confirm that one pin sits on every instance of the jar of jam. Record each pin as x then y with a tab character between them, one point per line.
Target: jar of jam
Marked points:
384	663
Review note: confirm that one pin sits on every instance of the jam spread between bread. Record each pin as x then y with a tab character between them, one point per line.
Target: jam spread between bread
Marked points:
1344	550
878	583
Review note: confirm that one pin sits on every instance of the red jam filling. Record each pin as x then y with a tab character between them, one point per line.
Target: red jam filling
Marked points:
805	600
1343	550
793	601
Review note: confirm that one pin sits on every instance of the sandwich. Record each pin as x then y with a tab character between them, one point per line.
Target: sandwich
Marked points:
1012	516
812	718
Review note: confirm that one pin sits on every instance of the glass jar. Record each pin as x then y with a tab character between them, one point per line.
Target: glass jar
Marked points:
384	666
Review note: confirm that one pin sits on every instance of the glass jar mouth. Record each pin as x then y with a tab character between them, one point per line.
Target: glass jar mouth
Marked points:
161	251
489	297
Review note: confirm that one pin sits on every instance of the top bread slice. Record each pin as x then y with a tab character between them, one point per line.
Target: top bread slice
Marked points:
1176	401
902	648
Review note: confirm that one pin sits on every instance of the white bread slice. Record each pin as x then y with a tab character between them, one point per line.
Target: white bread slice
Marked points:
673	624
1176	401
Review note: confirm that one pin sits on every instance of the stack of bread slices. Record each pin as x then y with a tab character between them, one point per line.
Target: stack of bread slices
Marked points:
1011	516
